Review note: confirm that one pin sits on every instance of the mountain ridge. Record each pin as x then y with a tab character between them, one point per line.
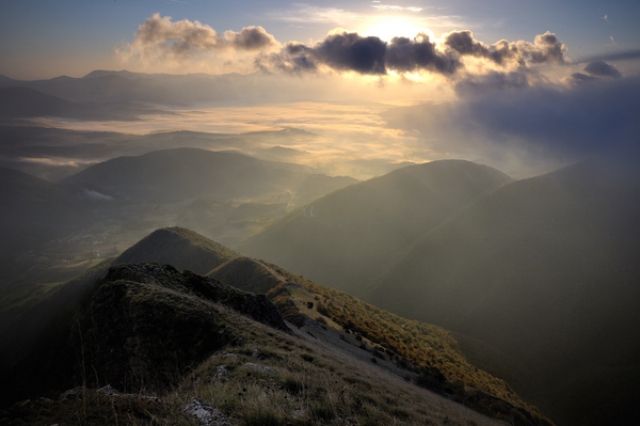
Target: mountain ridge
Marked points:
137	284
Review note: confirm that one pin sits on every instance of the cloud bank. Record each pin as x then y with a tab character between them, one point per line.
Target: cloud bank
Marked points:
163	43
349	51
503	120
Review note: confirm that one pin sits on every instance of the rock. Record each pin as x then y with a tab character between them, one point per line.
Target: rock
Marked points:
108	390
205	414
260	368
221	371
260	308
75	393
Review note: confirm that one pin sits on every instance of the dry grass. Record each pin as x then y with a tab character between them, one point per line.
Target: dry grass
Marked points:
290	380
274	378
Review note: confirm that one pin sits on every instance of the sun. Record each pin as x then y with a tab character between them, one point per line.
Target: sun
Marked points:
394	26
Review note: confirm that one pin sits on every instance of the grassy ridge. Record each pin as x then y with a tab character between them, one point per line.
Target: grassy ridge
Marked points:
429	351
264	378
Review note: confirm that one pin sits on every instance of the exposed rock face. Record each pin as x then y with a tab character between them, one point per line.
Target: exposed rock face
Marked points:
260	308
148	324
257	307
205	414
141	328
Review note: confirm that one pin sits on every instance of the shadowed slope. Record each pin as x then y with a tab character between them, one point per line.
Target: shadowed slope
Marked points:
33	211
140	327
345	238
546	270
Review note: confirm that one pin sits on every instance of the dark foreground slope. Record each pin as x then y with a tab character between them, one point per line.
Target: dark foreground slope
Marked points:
140	327
181	247
143	327
345	238
546	270
216	366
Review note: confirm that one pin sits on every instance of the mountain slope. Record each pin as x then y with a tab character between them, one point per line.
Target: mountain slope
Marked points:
544	269
429	350
178	349
180	247
430	353
178	174
141	326
160	299
317	186
345	238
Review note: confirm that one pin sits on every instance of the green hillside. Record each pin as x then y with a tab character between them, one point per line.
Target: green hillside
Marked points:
345	238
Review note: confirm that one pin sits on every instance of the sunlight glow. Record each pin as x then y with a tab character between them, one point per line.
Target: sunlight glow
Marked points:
389	27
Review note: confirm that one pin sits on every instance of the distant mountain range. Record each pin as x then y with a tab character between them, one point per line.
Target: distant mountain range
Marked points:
25	102
128	87
223	194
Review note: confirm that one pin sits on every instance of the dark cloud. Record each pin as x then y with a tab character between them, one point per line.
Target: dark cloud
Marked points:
294	58
602	69
464	43
406	55
546	48
349	51
161	34
579	77
341	51
352	52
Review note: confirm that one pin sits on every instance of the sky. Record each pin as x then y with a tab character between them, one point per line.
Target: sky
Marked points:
517	84
45	39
